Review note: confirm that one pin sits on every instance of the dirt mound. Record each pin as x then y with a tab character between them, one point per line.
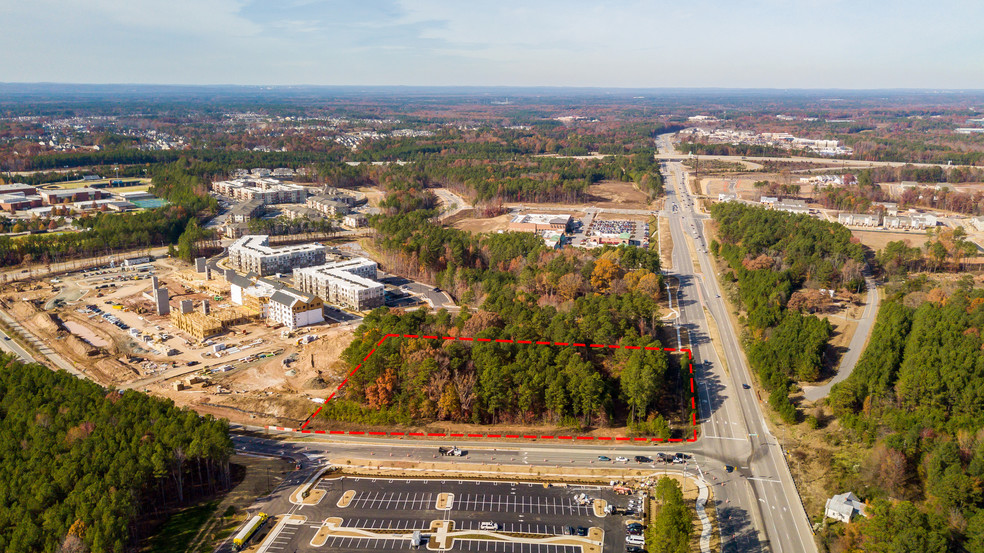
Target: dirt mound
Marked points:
113	371
81	346
46	323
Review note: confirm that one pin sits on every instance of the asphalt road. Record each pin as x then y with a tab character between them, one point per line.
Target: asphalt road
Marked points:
758	506
850	358
8	345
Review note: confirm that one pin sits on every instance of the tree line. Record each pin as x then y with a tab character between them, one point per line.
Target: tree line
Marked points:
81	465
772	255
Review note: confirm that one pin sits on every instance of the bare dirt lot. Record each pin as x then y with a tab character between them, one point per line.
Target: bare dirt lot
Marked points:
484	225
618	194
877	240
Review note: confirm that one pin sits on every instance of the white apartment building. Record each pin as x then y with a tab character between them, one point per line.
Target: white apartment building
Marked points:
295	309
264	190
351	283
252	253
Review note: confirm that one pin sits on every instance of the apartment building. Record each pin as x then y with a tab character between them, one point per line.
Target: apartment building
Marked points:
350	283
329	206
252	253
294	309
264	190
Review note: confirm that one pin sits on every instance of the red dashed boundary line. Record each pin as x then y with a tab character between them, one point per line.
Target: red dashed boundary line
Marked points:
690	365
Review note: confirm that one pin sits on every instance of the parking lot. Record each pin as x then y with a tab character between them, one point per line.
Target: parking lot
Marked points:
383	508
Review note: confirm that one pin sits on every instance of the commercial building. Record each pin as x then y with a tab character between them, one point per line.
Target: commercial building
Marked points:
294	309
791	206
266	191
18	201
59	196
351	283
535	222
252	253
136	196
18	188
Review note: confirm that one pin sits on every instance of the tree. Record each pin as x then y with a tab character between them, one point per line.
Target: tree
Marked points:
671	529
570	285
605	271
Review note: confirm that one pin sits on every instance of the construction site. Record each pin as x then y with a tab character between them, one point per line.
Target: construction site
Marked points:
173	331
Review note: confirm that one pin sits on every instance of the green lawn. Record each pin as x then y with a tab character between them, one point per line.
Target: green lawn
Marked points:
176	534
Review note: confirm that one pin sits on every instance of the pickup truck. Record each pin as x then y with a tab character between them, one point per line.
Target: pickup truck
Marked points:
450	451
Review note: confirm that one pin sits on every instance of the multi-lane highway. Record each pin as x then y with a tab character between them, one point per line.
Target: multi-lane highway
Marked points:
758	506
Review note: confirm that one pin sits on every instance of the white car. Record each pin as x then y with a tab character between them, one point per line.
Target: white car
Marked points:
621	459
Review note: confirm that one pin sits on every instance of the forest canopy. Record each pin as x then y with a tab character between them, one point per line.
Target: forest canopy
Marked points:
80	461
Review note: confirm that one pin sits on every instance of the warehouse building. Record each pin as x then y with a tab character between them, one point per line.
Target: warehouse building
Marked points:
252	253
535	222
350	283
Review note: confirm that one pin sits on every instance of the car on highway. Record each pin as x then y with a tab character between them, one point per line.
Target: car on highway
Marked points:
604	458
746	386
621	459
643	459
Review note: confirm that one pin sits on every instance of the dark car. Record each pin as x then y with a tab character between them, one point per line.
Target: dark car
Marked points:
634	549
604	458
582	531
192	363
634	531
634	526
729	468
643	459
746	386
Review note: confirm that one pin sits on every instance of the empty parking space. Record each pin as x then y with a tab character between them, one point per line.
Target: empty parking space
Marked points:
283	539
365	544
397	501
511	547
387	523
520	504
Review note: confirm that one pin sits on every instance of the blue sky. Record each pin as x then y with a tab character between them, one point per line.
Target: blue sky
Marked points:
628	43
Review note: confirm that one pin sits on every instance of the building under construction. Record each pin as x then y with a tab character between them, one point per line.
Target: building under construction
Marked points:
204	325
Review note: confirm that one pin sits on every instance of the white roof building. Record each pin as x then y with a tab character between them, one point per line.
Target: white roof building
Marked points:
843	507
252	253
351	283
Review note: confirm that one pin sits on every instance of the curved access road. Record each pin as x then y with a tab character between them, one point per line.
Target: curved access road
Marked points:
858	342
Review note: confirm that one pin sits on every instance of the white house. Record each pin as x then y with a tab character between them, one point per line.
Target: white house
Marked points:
843	507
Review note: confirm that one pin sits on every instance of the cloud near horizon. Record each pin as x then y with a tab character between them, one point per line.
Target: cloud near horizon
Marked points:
630	43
